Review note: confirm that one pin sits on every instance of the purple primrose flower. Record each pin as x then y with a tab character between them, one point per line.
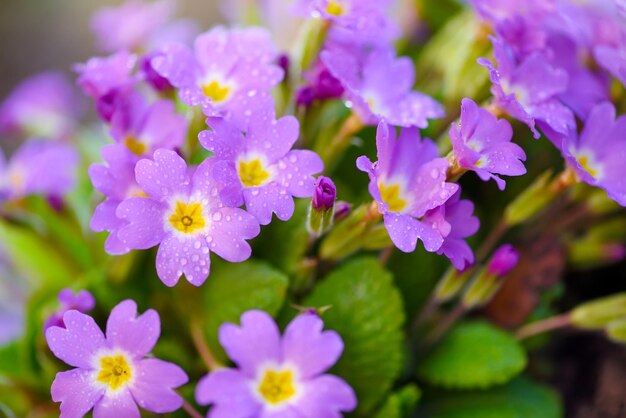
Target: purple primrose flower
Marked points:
407	181
371	94
107	80
82	301
185	215
228	70
266	171
42	106
599	153
144	128
277	377
112	374
131	25
482	143
528	91
38	167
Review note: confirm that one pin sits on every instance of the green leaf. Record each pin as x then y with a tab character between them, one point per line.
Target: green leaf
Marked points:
520	398
400	404
234	288
473	355
367	313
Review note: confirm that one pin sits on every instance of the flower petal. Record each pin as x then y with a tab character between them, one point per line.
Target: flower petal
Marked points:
229	391
78	341
255	342
135	334
311	349
327	397
116	405
154	386
76	391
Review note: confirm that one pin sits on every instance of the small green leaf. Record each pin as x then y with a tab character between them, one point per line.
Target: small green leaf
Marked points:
367	313
520	398
400	404
473	355
234	288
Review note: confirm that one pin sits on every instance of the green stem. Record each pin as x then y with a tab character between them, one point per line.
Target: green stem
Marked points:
442	327
203	349
189	409
545	325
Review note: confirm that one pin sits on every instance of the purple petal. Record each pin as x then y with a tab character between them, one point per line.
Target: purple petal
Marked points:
177	64
145	222
135	334
163	177
326	397
116	405
431	189
265	200
414	110
77	343
182	255
231	393
230	227
311	349
255	342
224	139
77	391
296	172
458	251
154	386
274	138
403	231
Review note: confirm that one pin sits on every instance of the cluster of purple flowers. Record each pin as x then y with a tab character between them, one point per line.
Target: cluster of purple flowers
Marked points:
113	373
544	77
153	197
201	158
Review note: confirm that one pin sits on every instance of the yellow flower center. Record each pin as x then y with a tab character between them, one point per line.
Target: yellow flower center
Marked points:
187	217
335	8
277	387
252	173
586	164
216	91
114	371
391	196
135	146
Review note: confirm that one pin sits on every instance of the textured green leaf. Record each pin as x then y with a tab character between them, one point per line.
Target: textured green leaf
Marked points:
400	404
473	355
234	288
367	313
520	398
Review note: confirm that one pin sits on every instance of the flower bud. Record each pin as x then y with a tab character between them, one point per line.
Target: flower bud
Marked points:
503	260
600	312
321	211
616	330
489	279
452	283
531	201
342	210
